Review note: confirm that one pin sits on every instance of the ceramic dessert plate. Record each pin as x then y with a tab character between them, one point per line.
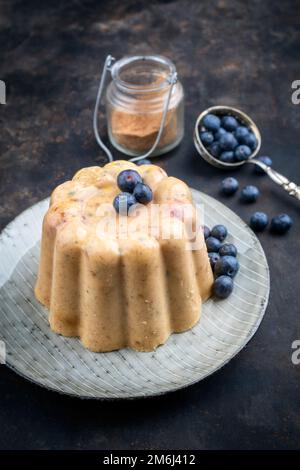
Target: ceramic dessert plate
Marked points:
64	365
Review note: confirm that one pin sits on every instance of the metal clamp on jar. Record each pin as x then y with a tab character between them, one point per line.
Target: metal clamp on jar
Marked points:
144	106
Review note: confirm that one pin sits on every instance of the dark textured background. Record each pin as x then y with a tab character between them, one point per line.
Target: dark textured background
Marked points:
227	52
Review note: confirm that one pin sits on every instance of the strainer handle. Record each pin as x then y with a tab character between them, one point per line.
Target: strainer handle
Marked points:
278	178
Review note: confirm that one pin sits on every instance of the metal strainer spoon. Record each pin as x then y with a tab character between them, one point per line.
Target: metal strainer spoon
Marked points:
279	179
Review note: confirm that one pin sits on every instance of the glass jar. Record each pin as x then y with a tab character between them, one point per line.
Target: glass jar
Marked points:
135	102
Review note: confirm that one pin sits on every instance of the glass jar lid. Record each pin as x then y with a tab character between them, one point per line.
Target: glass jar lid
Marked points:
148	73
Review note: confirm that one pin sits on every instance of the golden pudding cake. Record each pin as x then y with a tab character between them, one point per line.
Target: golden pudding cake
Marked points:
120	288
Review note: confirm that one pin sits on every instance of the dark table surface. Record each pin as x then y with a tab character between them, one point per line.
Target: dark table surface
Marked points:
238	53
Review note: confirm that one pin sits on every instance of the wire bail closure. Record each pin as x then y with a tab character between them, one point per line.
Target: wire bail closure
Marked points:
172	79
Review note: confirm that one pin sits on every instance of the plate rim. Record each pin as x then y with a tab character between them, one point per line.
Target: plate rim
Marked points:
179	387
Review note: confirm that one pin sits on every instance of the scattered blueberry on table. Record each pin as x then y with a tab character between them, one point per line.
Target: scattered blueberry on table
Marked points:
224	134
249	194
280	224
229	186
259	221
264	159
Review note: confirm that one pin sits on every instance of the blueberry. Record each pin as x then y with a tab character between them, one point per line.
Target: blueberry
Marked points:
212	244
227	265
227	157
228	249
241	134
215	149
128	179
249	193
207	138
211	122
206	231
259	221
144	161
213	258
223	286
219	232
123	201
229	186
281	223
228	141
242	153
251	141
142	193
219	133
229	123
264	159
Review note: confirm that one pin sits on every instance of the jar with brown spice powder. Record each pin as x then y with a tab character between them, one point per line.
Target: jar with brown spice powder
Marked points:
139	97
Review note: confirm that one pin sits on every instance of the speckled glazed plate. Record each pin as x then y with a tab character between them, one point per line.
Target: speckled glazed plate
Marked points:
63	365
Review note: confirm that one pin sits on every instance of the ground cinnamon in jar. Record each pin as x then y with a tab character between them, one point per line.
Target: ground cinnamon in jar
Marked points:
135	102
137	131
